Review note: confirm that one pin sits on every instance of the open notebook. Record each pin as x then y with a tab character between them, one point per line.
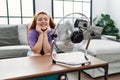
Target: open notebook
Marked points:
72	59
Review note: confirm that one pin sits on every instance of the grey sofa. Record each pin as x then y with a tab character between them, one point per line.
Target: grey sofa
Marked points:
106	50
13	41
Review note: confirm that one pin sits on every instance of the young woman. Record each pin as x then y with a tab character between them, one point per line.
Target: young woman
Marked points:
39	37
39	34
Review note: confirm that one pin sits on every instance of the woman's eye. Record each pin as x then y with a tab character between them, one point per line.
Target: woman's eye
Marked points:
40	19
46	19
43	19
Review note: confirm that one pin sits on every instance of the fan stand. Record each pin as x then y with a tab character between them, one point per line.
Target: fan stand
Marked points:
85	54
53	43
86	50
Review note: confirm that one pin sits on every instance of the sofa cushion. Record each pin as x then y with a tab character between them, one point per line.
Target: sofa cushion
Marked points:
22	33
9	35
13	51
101	46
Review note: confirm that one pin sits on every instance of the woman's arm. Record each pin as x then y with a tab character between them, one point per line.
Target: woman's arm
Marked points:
46	44
39	44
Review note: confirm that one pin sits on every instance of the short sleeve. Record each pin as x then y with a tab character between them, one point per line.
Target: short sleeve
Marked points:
50	36
32	37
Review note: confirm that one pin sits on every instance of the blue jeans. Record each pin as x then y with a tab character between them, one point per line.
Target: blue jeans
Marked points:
29	52
51	77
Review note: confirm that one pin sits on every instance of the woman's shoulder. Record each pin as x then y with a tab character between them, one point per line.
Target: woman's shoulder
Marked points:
32	31
52	30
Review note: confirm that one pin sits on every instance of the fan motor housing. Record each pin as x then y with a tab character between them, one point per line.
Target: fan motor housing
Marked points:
77	36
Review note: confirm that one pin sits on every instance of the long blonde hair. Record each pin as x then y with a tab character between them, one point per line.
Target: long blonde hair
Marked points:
33	24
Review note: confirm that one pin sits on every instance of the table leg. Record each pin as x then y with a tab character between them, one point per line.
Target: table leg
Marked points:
106	72
79	75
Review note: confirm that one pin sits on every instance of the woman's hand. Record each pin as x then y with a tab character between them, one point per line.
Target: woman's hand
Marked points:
47	30
39	29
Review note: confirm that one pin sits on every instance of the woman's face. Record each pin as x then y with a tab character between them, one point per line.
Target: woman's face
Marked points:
42	21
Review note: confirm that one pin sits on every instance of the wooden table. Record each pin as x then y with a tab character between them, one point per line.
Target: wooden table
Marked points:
28	67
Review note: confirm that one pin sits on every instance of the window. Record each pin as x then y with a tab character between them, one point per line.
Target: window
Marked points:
63	7
16	11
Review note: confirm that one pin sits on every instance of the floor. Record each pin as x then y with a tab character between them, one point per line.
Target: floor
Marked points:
74	76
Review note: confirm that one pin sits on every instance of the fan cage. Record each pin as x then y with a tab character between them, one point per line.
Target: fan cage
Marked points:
71	17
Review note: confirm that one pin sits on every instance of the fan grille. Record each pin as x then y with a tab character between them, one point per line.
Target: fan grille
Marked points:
68	25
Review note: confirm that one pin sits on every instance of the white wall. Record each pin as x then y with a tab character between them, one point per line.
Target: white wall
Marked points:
114	11
111	7
99	6
43	5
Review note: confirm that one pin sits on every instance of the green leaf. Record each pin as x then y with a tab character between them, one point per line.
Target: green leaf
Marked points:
105	21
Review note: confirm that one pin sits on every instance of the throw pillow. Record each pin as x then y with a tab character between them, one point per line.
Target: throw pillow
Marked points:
22	33
9	35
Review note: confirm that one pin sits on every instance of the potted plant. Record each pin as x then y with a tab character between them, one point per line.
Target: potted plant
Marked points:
109	28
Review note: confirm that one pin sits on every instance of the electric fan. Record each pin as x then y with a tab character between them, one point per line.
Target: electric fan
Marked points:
72	30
